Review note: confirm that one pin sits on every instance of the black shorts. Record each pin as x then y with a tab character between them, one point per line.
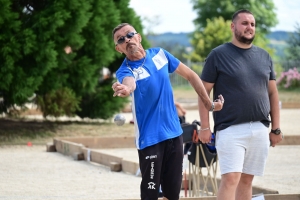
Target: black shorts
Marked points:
161	164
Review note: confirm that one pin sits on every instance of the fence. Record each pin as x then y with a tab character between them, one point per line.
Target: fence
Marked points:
279	66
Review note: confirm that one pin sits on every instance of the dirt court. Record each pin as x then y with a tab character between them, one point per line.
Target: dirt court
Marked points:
29	172
32	173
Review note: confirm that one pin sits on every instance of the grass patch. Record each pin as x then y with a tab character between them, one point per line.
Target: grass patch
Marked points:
20	132
289	96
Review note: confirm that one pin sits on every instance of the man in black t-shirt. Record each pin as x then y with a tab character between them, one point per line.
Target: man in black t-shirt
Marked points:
244	75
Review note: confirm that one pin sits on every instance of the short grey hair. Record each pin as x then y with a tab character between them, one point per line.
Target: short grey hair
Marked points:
119	27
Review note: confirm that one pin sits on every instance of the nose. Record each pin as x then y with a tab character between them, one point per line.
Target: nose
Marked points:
126	38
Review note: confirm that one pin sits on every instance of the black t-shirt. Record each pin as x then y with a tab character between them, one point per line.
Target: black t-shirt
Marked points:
242	77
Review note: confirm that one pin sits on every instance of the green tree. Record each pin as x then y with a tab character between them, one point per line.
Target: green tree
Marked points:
214	19
216	32
263	11
20	74
293	49
34	36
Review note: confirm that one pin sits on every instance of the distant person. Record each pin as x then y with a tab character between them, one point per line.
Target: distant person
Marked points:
244	74
144	75
180	112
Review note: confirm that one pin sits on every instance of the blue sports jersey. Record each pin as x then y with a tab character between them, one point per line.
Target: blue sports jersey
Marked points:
154	113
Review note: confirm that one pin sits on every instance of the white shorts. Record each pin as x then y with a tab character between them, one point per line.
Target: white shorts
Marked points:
243	148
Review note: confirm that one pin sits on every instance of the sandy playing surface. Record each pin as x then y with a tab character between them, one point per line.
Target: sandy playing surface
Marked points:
32	173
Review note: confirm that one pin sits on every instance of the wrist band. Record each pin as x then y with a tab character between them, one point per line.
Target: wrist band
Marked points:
204	129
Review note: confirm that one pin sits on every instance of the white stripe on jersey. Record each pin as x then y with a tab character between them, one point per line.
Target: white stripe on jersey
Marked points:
160	59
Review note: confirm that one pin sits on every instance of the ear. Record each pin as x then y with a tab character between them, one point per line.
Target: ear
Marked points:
232	26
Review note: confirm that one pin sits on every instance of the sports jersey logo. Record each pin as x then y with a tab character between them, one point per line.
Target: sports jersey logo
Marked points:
140	73
138	70
151	186
152	170
151	157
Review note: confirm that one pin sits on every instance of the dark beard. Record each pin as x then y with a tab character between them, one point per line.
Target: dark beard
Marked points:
243	39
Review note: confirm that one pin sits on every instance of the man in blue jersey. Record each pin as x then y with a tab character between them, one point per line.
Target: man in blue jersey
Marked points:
244	74
144	75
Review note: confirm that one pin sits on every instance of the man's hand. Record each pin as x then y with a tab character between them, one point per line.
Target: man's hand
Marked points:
204	135
275	139
121	90
219	103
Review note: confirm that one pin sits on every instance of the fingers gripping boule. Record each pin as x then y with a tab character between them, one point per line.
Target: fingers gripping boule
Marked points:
117	88
219	103
120	90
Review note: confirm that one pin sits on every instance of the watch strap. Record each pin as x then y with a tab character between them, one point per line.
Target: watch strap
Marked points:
212	107
276	131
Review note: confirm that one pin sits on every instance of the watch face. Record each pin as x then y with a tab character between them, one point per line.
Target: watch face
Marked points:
276	131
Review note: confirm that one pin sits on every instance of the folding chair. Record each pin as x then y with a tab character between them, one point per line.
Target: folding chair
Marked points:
202	163
202	172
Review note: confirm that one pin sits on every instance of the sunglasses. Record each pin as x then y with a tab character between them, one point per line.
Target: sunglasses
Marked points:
121	40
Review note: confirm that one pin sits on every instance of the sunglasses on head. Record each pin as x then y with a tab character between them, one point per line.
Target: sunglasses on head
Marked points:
121	40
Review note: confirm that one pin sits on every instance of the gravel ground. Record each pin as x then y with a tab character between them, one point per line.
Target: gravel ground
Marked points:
282	172
32	173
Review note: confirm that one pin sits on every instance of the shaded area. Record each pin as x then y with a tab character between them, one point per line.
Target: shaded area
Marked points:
20	131
16	130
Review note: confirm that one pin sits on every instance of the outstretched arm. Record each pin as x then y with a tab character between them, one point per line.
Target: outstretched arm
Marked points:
197	84
125	88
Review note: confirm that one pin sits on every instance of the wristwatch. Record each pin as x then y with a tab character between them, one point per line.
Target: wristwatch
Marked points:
212	107
277	131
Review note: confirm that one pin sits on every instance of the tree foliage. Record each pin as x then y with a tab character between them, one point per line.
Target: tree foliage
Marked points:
33	59
264	12
214	34
58	102
214	19
293	49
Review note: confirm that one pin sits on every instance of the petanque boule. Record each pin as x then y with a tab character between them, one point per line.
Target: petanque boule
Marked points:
119	119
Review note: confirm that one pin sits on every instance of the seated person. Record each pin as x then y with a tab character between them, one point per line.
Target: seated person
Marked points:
181	112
